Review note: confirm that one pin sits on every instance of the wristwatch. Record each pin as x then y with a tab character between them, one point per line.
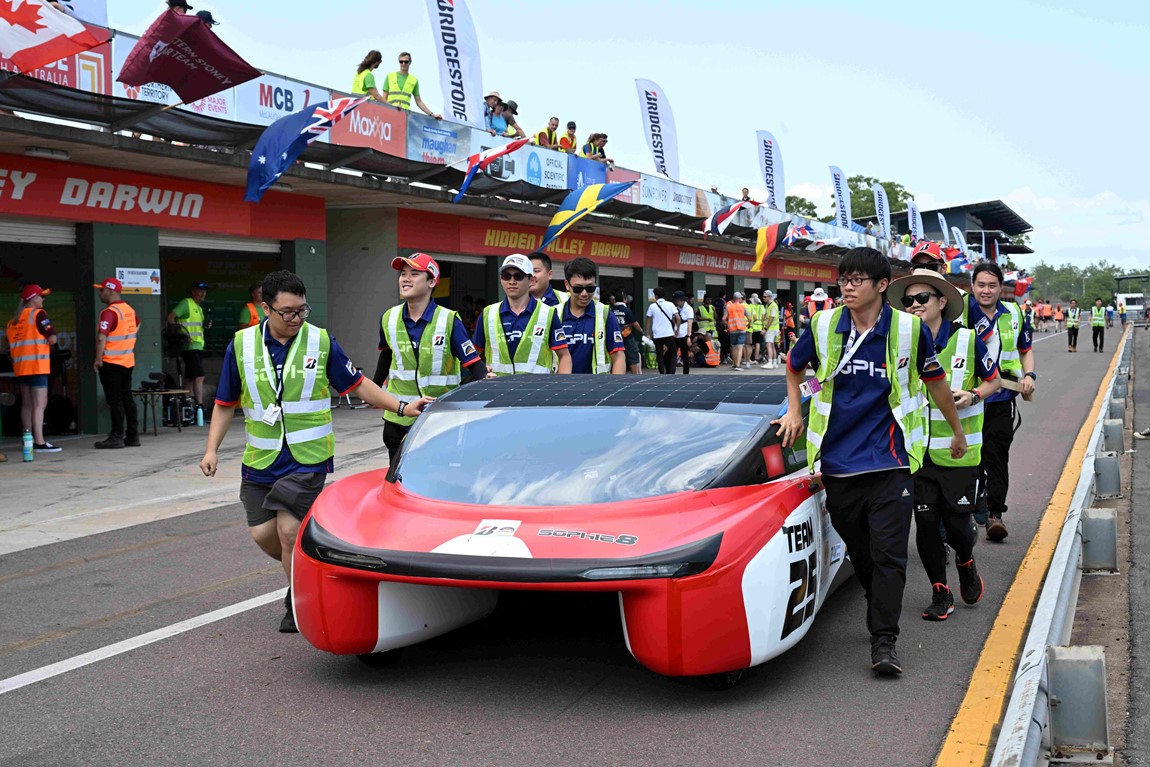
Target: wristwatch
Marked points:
1031	375
975	396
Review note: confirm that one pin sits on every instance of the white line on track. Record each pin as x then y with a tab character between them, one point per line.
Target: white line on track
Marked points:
1048	336
119	648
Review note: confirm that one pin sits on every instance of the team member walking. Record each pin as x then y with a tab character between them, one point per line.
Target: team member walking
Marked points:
736	320
1059	317
521	334
189	315
1073	321
770	331
945	488
422	347
1008	337
684	329
253	312
279	372
541	289
1098	325
867	431
662	322
30	338
592	332
115	362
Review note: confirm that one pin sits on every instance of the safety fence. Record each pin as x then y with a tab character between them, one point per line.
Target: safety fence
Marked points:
1057	708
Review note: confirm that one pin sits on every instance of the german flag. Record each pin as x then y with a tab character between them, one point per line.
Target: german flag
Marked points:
765	243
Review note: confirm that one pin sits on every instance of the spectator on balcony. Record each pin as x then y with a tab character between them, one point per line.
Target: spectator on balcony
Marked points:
549	136
403	87
179	6
489	102
207	18
568	142
510	111
594	149
747	195
364	83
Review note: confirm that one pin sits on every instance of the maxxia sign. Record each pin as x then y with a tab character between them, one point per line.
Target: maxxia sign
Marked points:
374	126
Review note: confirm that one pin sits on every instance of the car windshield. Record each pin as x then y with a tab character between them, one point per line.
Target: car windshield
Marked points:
567	456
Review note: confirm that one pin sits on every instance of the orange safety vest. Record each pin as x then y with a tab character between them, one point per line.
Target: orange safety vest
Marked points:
812	307
711	356
1047	311
1058	313
29	349
120	348
736	316
790	317
253	314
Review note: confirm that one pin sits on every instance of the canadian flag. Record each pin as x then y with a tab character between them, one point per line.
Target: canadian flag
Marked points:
33	34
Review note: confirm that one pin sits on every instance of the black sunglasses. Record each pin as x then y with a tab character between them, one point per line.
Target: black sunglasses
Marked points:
577	289
405	61
513	276
922	298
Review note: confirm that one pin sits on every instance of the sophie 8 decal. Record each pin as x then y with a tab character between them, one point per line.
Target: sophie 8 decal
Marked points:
624	540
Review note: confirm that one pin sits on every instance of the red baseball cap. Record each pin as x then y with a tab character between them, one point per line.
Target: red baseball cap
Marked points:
418	261
31	291
931	250
111	283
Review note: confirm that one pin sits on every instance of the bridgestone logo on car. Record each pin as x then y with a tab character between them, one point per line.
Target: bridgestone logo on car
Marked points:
625	540
656	131
448	39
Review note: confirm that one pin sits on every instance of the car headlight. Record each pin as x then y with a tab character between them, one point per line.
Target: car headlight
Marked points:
671	570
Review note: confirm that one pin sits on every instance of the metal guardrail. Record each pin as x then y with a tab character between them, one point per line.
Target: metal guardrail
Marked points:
1023	735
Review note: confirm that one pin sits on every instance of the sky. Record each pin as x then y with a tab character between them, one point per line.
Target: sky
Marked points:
1043	105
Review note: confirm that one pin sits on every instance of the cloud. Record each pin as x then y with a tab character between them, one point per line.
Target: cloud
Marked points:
1083	229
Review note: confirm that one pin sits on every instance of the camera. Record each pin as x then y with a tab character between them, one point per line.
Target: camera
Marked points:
501	168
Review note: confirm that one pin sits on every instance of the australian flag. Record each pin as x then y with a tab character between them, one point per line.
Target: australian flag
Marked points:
284	141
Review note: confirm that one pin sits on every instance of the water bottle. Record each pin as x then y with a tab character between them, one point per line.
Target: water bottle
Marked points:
199	415
27	446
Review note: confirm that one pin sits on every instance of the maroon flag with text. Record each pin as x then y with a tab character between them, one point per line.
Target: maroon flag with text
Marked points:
182	52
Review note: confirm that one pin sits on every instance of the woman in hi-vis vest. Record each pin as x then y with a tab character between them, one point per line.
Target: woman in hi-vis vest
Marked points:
30	338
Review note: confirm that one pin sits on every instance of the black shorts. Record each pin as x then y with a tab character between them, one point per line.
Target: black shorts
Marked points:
294	494
631	353
756	337
193	363
953	487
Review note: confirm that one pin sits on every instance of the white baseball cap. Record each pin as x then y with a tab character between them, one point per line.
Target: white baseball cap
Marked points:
819	295
518	261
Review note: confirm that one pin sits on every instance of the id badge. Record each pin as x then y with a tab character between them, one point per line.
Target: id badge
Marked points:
810	387
272	415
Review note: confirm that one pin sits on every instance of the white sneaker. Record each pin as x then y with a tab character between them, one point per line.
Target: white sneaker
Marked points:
765	366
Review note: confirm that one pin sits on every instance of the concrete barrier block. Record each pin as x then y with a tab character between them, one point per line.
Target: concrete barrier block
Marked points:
1079	725
1112	440
1100	540
1107	476
1118	408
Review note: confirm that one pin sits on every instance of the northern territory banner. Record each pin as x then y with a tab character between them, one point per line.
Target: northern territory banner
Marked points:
659	128
460	72
771	163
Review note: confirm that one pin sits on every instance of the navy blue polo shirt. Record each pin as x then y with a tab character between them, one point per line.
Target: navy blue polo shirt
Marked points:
580	334
461	346
986	328
515	324
986	368
341	374
862	435
549	297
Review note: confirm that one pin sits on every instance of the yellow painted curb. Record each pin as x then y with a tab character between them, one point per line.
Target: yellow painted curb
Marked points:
969	740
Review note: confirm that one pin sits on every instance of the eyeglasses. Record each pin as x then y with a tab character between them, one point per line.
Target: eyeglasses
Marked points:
405	61
513	276
292	315
577	289
853	281
923	298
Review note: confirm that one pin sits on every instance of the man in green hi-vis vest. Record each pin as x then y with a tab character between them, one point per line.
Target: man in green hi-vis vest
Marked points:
279	371
946	489
867	430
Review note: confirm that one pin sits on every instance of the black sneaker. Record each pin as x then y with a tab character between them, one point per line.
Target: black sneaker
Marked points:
132	440
114	441
287	625
970	584
47	447
995	529
941	604
883	658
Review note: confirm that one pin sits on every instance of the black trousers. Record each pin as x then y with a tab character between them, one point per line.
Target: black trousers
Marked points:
1099	337
724	344
393	435
872	513
944	496
684	354
997	437
1072	337
665	350
117	383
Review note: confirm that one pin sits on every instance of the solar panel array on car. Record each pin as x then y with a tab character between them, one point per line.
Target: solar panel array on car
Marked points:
678	391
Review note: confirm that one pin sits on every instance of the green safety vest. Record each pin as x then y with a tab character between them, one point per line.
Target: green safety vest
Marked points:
1098	317
755	317
533	355
193	325
706	319
772	320
400	97
1003	343
959	359
434	373
357	86
305	424
601	363
906	400
1072	316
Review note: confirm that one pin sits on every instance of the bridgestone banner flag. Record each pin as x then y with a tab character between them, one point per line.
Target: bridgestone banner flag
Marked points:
914	221
460	72
882	210
959	240
659	127
771	163
183	53
842	192
945	230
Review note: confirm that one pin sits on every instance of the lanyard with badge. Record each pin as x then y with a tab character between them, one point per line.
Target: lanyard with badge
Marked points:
274	411
854	341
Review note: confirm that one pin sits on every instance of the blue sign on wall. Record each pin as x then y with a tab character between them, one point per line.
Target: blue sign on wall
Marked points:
582	172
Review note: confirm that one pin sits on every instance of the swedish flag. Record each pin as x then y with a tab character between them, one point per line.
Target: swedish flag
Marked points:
577	205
